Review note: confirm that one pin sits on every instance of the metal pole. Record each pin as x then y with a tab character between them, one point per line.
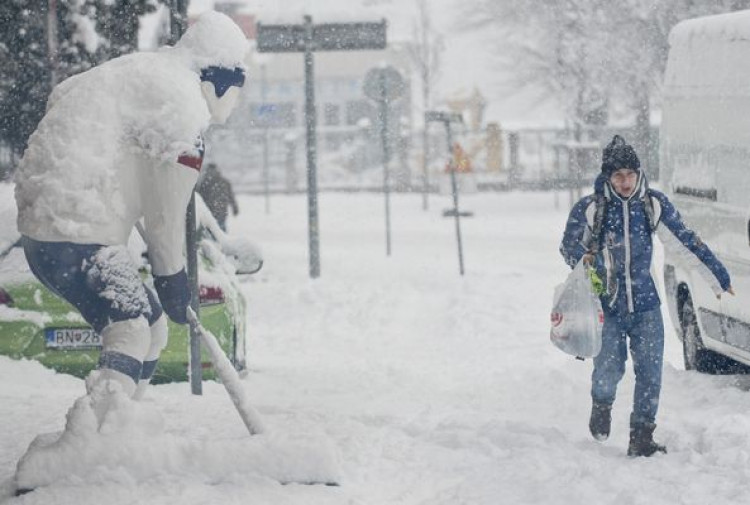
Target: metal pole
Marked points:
556	187
513	141
425	168
571	180
195	368
386	157
312	178
454	187
263	104
52	45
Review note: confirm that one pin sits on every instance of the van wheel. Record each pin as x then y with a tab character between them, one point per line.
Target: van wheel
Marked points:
696	356
692	346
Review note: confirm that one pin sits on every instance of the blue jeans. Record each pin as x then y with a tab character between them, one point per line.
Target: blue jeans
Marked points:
646	333
63	267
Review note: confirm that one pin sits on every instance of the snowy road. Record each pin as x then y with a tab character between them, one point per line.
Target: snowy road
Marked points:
432	388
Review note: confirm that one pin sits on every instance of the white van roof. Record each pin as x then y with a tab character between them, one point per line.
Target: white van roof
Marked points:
709	54
728	26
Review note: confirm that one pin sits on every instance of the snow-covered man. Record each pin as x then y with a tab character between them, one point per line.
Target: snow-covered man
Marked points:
612	231
120	144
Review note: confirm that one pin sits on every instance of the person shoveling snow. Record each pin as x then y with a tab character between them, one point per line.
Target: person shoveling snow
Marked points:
121	143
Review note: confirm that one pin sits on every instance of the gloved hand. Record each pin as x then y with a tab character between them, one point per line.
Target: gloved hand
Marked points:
588	259
174	295
597	285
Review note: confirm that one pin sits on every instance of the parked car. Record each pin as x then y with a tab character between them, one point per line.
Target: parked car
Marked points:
704	149
37	324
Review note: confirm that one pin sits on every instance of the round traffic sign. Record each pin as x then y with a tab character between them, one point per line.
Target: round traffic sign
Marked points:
384	83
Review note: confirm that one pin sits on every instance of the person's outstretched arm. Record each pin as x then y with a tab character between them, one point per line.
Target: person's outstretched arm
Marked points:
687	247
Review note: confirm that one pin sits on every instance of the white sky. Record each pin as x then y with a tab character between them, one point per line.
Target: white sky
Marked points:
466	62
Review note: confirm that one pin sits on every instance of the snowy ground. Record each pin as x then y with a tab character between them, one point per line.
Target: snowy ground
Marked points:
432	388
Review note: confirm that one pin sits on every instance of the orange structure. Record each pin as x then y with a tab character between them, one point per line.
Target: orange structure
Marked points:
460	161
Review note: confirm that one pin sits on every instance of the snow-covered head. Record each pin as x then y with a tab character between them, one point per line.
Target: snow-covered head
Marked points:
217	49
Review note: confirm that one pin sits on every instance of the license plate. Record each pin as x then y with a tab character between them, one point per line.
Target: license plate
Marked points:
72	338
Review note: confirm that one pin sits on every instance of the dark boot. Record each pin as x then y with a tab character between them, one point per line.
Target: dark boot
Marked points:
601	420
642	440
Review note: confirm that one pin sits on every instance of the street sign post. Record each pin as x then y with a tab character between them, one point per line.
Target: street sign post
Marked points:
178	21
264	114
307	38
384	85
448	118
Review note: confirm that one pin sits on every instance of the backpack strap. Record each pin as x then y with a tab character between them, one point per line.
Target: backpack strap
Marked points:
594	243
651	214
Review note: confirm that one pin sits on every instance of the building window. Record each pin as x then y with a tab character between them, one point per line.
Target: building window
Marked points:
279	114
358	109
331	114
285	89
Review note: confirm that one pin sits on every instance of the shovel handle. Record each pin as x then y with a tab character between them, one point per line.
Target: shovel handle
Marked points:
228	376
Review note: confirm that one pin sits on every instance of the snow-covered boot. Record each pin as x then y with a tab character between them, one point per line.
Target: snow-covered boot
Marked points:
642	440
600	421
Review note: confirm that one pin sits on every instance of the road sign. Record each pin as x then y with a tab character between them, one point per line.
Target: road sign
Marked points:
443	117
307	38
447	118
325	37
383	83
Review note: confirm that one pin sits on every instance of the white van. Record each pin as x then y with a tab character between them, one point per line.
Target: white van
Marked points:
705	163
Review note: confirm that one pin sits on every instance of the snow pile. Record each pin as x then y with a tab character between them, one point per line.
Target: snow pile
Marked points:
215	40
14	269
243	253
12	314
129	445
8	232
116	277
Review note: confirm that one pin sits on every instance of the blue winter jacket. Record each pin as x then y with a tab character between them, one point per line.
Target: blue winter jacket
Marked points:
626	246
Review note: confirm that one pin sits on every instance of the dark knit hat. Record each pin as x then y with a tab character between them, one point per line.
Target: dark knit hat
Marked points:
619	154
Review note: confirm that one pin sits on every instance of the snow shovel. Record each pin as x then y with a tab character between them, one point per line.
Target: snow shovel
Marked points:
249	415
228	376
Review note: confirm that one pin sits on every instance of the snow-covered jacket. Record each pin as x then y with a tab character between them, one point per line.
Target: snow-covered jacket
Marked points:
122	142
626	247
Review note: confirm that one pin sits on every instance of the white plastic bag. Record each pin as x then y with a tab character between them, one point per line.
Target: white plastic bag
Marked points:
577	317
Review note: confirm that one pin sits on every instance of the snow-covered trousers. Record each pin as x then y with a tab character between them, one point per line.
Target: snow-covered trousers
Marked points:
646	333
101	282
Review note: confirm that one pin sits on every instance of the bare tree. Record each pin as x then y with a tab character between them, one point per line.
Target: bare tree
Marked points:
555	45
591	54
424	52
639	30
